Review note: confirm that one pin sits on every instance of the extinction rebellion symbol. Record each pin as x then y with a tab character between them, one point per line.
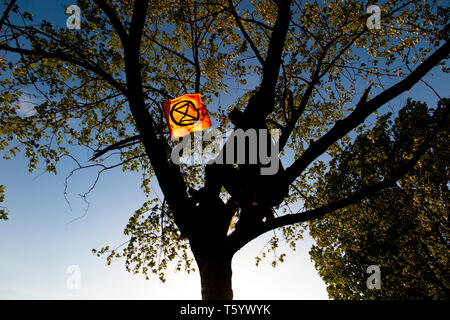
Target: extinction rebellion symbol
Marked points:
184	113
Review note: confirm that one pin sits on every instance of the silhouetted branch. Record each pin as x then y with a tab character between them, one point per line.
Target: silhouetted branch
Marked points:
118	145
239	240
262	103
244	32
298	111
61	56
114	19
361	112
6	13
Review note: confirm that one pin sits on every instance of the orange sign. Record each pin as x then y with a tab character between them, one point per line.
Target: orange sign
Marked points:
186	114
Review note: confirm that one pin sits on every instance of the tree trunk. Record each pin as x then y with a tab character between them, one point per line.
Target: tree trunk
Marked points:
215	275
210	244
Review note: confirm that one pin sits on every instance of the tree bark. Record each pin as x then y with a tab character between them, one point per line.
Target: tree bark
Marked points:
215	276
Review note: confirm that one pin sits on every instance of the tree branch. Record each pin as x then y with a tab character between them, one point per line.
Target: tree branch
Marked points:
66	58
168	174
118	145
361	112
258	23
195	54
402	169
262	103
244	32
176	53
114	19
6	13
341	52
296	114
138	23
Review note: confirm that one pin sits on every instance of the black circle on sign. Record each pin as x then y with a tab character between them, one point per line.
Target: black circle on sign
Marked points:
183	107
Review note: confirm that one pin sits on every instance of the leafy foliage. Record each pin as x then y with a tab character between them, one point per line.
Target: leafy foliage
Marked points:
151	227
402	229
3	210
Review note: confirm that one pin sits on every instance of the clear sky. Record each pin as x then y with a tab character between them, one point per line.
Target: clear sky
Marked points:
37	244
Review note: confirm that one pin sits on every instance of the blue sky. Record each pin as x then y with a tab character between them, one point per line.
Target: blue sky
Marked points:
38	244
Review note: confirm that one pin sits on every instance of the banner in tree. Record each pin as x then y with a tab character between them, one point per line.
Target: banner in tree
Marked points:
186	114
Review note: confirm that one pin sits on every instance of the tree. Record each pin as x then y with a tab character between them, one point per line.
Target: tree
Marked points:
102	87
403	229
